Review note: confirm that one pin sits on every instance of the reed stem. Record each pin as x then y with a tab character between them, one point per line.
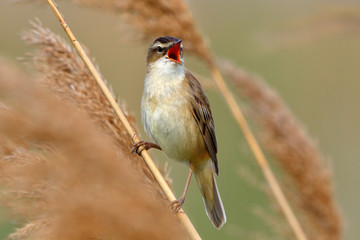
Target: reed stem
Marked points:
193	234
258	153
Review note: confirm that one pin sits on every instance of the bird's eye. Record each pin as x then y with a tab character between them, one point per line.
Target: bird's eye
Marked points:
160	49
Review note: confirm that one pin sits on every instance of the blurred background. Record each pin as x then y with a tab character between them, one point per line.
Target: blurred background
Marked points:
308	51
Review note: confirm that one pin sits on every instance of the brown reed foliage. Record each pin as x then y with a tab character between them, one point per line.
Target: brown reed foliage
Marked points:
60	171
65	73
158	17
298	155
154	18
172	17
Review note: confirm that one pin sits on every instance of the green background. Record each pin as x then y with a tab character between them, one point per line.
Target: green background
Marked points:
309	51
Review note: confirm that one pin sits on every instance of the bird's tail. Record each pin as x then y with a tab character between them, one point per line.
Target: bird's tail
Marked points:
205	178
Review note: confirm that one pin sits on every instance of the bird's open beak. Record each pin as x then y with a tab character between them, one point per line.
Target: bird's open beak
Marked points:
174	52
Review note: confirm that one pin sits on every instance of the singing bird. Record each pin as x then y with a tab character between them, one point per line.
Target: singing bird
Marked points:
176	115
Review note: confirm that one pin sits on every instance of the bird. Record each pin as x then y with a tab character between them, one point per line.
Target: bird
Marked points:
176	115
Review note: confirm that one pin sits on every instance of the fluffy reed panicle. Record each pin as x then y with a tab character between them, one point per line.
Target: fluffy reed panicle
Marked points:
172	17
297	154
154	18
65	74
64	178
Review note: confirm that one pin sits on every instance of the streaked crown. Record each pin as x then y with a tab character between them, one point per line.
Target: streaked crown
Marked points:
165	47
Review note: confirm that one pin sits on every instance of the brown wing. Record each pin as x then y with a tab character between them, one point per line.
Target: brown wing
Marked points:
203	117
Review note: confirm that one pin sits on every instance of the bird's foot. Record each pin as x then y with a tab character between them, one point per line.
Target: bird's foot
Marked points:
142	145
177	204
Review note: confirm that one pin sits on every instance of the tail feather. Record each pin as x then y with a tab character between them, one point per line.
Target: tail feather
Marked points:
205	178
217	216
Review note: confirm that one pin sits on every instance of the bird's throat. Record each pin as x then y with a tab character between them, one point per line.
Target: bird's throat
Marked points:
174	53
165	70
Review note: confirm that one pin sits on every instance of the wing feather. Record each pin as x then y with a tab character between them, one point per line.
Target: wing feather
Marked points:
203	117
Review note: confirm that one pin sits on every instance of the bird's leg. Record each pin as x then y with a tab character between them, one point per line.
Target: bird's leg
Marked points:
177	204
142	145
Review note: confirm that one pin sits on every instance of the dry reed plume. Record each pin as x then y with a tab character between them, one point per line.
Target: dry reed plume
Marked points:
45	38
156	18
311	190
65	179
65	74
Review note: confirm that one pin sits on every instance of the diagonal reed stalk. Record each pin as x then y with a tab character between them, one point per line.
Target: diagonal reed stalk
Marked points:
97	77
258	153
284	137
52	185
151	18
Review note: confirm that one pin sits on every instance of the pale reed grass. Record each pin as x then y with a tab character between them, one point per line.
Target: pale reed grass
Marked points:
119	114
64	178
156	18
64	73
172	17
27	230
311	188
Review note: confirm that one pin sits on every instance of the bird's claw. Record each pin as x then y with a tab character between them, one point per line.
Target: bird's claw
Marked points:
138	147
177	204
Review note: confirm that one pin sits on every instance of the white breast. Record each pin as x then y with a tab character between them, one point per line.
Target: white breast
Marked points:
164	109
163	77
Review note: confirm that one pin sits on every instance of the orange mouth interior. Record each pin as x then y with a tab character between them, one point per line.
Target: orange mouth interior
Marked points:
174	53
